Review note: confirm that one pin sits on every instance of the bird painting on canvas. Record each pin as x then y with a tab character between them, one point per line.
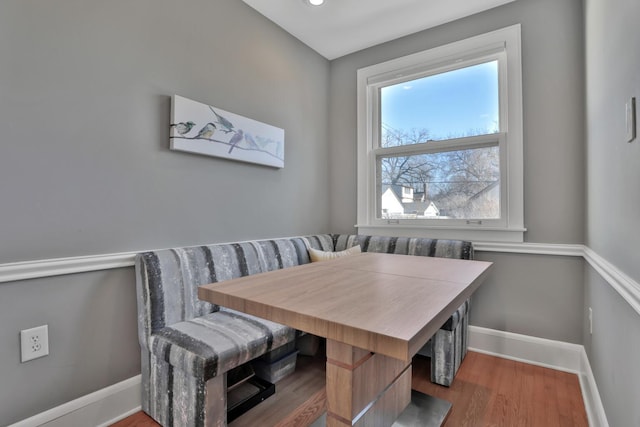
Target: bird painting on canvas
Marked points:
183	128
207	131
235	139
226	125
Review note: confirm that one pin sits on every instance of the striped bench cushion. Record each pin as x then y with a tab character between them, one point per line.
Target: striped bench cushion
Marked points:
217	342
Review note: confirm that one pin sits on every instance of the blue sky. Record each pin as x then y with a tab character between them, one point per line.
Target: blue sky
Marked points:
451	103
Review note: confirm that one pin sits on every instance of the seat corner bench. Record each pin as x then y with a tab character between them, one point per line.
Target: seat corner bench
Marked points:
188	345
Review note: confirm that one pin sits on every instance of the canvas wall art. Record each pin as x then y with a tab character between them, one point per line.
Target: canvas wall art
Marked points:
205	129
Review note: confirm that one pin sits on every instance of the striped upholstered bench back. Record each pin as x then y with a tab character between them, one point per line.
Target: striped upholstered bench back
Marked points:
168	279
458	249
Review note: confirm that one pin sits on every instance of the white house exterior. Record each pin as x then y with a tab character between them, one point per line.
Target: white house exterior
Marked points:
398	201
390	203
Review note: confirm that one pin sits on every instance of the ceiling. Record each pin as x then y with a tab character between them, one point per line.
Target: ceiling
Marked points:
340	27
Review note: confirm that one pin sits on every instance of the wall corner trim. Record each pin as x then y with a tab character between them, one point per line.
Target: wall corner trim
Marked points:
531	248
12	272
628	288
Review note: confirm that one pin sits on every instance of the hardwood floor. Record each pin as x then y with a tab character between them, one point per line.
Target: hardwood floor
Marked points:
487	391
490	391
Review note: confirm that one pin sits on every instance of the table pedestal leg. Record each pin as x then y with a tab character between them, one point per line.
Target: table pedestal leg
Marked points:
363	388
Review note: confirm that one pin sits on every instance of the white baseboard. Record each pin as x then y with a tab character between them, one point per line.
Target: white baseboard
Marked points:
523	348
591	395
111	404
552	354
101	408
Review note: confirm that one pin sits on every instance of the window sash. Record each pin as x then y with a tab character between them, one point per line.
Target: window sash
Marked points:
503	45
459	144
455	144
499	58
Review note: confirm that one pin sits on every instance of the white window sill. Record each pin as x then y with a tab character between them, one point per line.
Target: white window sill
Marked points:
487	234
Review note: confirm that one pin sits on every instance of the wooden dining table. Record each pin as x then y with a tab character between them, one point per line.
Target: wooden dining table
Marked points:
376	312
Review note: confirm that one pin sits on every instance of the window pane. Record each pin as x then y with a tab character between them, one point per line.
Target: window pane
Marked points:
462	184
455	104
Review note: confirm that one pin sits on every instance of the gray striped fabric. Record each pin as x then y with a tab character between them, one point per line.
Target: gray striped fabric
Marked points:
173	275
217	341
186	343
458	249
448	346
457	316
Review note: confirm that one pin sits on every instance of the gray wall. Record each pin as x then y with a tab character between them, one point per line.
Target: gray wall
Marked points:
613	166
535	295
613	76
553	81
553	95
93	341
85	166
84	114
613	350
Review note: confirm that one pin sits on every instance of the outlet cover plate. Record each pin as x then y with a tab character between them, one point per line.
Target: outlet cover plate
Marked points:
630	110
34	343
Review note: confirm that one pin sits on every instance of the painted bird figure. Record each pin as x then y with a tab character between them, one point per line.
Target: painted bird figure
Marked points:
251	142
183	127
235	139
207	131
227	126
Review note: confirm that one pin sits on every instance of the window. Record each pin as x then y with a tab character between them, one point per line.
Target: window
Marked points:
440	142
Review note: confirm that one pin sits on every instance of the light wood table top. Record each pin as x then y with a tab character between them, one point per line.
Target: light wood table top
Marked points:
388	304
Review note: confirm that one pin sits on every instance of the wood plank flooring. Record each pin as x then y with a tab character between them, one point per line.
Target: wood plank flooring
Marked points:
491	391
487	391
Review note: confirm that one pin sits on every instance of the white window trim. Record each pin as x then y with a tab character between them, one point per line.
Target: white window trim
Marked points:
511	228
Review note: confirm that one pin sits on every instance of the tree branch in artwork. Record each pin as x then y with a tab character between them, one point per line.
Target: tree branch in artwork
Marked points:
231	145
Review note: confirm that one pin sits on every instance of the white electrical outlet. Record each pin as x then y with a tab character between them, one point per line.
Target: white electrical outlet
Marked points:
34	343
